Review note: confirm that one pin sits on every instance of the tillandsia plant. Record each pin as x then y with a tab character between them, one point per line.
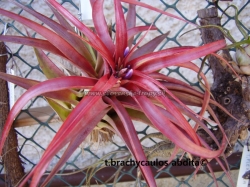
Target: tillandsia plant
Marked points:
119	82
242	55
242	48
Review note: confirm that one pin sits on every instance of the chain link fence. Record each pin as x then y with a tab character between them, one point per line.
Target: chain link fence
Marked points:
37	124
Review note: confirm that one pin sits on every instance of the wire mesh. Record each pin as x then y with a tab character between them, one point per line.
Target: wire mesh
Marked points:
34	139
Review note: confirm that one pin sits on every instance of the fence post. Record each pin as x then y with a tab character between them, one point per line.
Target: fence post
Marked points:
226	89
11	161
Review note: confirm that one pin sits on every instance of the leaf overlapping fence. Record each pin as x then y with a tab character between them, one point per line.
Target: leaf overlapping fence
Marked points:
31	140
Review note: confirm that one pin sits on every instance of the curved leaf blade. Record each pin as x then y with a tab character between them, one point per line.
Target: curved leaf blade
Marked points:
131	21
157	56
171	131
76	141
88	107
49	69
101	25
93	38
133	138
34	42
56	40
121	31
182	57
57	84
66	95
135	30
145	82
149	47
154	9
61	31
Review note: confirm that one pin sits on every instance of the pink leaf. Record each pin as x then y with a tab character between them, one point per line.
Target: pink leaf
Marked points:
182	57
61	19
133	138
155	9
121	31
149	85
75	142
157	56
148	47
66	95
22	82
135	30
88	108
92	37
131	21
170	130
48	86
101	26
42	44
56	40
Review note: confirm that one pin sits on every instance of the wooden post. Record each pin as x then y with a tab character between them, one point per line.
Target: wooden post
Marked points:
226	89
12	163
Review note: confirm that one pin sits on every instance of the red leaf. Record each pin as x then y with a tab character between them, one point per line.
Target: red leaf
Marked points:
61	31
56	40
42	44
169	79
148	47
206	97
157	56
48	86
61	19
88	108
106	57
92	3
22	82
131	21
135	46
197	120
133	138
75	142
101	26
152	85
135	30
129	103
92	37
66	95
182	57
121	132
170	130
121	31
155	9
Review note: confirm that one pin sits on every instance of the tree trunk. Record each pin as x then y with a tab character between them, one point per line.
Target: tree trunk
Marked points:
12	163
226	89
